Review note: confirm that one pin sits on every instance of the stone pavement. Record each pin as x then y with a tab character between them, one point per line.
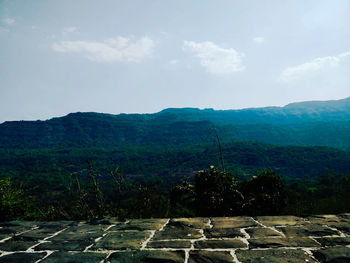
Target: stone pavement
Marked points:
269	239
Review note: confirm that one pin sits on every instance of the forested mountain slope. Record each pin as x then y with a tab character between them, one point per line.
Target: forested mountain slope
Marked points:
306	124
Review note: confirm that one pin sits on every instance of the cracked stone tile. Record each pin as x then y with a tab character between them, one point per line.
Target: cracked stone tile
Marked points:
223	233
198	222
22	257
150	256
262	232
333	255
281	242
233	222
273	256
334	241
281	220
307	230
177	230
73	257
169	244
141	225
202	256
121	240
226	243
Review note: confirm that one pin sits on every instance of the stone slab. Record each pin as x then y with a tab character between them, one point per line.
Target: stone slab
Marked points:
141	224
73	257
233	222
223	233
22	257
198	222
40	233
177	230
308	230
273	256
17	243
281	220
282	242
226	243
148	257
122	240
333	255
169	244
262	232
334	241
202	256
64	245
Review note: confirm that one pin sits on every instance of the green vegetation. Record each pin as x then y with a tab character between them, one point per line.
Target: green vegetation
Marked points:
65	168
214	192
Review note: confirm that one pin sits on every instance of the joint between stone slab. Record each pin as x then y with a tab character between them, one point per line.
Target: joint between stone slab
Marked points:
187	255
17	234
308	251
269	227
144	244
99	238
31	249
245	238
234	256
341	234
48	253
162	228
210	223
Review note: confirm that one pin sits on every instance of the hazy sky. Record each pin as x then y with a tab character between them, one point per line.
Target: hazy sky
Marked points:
112	56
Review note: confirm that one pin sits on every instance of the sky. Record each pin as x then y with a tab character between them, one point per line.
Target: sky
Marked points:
142	56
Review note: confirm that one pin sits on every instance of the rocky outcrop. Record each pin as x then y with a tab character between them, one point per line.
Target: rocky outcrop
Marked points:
324	238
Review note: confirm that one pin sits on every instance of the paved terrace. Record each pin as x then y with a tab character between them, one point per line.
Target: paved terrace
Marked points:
268	239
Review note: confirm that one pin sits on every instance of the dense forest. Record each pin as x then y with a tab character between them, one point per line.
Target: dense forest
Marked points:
178	162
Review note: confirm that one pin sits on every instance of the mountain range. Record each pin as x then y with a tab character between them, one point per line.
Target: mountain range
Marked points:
313	123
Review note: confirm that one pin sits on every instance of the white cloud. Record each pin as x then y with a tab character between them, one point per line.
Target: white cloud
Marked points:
70	29
119	49
215	59
9	21
318	64
259	40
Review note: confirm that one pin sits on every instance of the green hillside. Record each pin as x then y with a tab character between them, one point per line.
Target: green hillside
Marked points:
42	163
303	124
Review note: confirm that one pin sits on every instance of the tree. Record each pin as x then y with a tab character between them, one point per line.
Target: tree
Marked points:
217	194
264	194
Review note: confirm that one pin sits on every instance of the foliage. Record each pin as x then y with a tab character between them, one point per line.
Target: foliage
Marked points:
14	204
264	194
217	193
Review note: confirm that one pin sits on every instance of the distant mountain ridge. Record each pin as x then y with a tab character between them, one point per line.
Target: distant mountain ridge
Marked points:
321	123
342	104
